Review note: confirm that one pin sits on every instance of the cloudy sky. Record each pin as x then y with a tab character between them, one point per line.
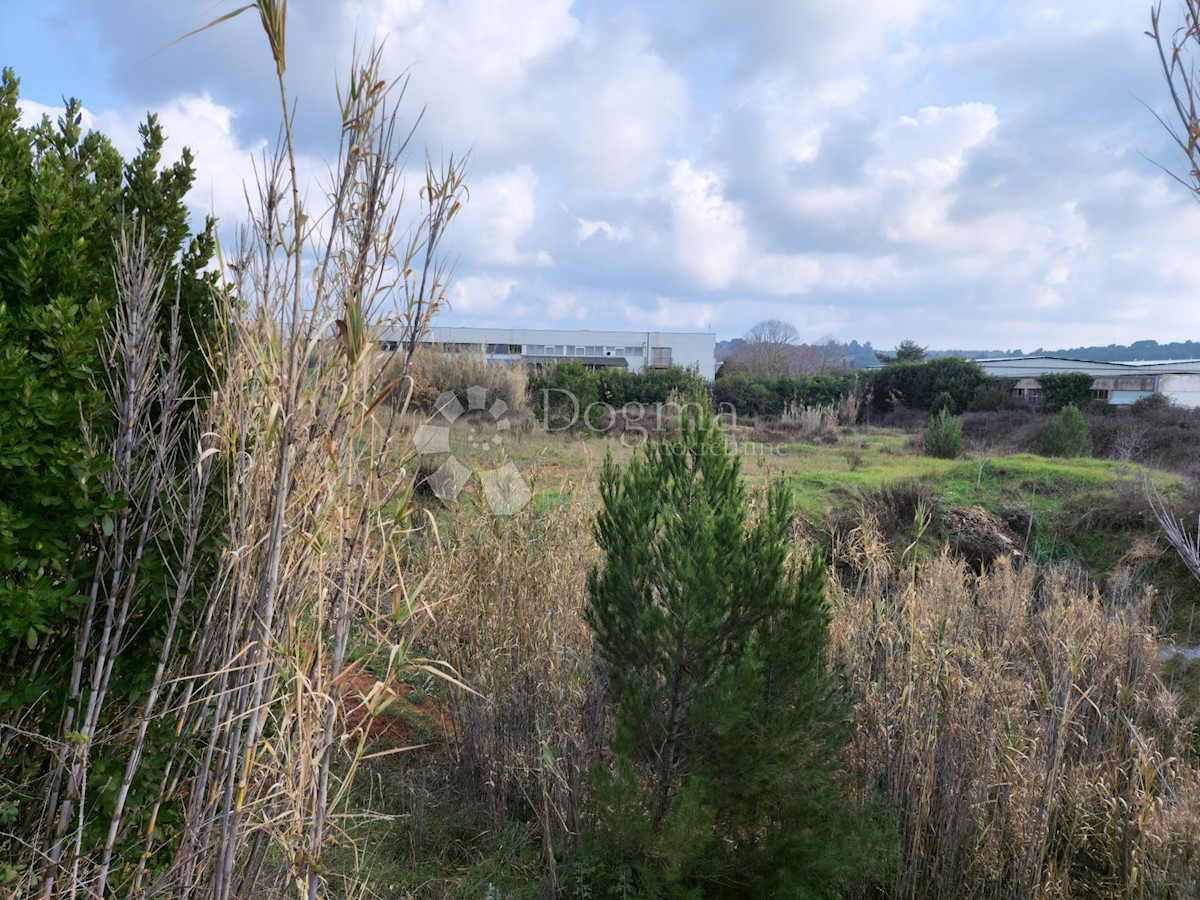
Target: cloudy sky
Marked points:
970	174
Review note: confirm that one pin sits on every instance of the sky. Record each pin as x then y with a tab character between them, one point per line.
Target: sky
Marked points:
974	175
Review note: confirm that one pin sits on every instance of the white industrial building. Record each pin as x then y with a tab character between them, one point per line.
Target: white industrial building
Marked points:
1118	383
634	350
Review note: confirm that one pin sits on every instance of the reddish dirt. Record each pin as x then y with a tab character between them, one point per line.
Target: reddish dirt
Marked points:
386	713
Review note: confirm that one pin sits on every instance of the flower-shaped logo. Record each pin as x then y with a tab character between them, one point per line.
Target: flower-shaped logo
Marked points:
504	489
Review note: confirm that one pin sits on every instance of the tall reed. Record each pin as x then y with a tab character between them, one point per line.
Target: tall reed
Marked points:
509	619
1019	724
252	771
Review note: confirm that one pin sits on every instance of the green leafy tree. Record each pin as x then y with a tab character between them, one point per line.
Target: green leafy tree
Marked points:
1063	389
907	351
729	718
1067	435
64	197
943	436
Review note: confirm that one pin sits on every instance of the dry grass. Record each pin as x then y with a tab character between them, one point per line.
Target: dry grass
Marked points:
251	783
810	421
435	373
508	617
1017	720
1021	728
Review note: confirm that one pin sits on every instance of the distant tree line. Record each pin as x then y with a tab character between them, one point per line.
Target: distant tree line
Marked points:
828	354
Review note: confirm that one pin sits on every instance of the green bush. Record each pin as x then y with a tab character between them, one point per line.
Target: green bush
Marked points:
561	395
943	402
918	385
1063	389
619	387
943	436
993	395
64	198
772	396
725	778
1152	404
1067	435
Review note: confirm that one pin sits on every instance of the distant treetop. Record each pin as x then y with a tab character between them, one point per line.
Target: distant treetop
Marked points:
906	351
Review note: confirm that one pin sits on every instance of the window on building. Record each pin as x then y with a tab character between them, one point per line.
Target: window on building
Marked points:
633	351
660	356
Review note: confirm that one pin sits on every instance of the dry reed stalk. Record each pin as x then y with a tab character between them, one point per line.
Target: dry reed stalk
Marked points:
1023	732
509	619
814	421
316	484
435	373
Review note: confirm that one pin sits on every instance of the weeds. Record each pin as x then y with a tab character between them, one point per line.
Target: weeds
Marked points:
1023	731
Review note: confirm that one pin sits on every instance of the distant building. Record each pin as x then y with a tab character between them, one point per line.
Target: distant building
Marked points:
1119	383
632	350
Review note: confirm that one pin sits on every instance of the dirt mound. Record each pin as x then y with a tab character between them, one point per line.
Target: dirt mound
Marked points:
387	713
980	537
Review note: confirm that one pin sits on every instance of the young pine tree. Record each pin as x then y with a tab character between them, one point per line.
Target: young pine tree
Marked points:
943	436
728	717
1067	435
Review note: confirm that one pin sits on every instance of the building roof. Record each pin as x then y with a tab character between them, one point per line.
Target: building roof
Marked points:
1131	367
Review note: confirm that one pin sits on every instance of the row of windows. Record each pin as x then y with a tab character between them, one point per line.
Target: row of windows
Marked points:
581	350
659	356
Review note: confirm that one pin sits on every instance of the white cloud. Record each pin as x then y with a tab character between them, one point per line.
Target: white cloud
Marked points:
710	239
588	229
497	219
483	296
823	162
223	164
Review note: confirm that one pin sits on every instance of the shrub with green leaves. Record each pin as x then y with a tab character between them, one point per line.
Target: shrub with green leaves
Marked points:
619	387
561	395
64	196
943	436
1067	435
1063	389
725	778
918	385
768	396
993	395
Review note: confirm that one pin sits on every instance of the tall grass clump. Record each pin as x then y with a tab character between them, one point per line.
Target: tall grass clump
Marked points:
509	619
436	373
811	421
232	775
1019	722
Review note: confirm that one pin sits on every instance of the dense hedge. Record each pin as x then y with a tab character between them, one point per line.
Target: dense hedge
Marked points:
918	385
562	395
1063	389
771	396
619	386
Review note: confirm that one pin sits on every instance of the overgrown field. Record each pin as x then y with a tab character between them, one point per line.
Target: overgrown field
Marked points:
1092	513
999	620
